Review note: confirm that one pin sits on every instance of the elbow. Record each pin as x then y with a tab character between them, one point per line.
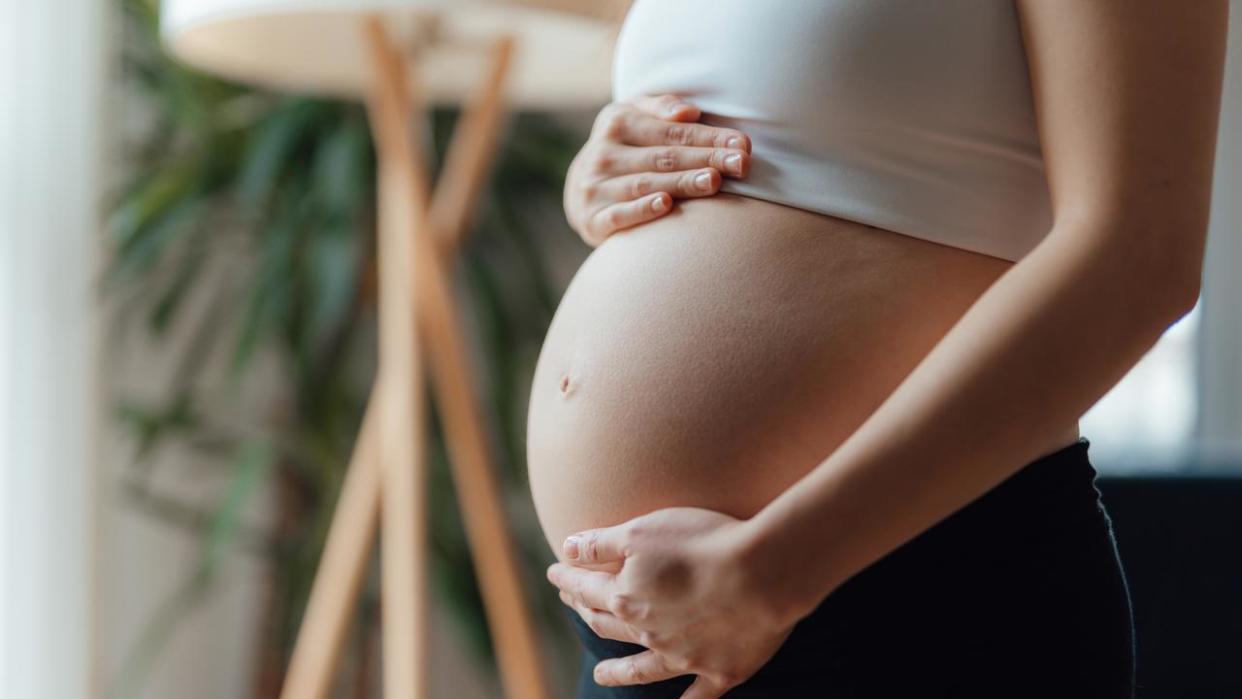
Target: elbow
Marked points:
1180	266
1183	295
1161	260
1167	288
1158	276
1156	260
1172	283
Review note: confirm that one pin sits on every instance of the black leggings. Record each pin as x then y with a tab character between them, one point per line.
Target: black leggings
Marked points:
1019	594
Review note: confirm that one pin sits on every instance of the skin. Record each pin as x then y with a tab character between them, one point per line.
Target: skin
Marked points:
1128	100
639	157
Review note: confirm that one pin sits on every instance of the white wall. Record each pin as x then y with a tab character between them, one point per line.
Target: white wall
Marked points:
1220	359
52	59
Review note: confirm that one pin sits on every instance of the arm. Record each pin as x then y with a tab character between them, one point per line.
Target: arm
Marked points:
1128	96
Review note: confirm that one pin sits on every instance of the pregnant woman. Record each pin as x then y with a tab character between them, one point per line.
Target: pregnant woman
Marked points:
805	423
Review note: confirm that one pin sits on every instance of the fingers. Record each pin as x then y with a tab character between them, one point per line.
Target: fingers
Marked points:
703	689
591	588
604	624
627	214
682	185
642	668
639	149
624	124
624	161
668	107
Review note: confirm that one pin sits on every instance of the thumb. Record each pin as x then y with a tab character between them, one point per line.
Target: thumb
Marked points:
596	545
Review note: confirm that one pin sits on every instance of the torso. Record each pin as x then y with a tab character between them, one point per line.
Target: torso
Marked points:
712	357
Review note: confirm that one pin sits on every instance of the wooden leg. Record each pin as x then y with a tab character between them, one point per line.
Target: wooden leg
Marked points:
402	443
403	189
477	489
339	577
472	149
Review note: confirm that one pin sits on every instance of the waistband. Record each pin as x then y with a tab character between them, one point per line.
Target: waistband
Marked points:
1059	486
1061	479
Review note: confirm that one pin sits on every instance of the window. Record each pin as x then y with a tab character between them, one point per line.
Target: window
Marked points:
1148	420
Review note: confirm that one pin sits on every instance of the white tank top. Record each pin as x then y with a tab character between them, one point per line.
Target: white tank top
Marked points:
915	117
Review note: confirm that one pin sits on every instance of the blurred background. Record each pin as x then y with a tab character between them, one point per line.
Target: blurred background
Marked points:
187	338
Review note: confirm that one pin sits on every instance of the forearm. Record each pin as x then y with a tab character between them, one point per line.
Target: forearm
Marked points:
1035	351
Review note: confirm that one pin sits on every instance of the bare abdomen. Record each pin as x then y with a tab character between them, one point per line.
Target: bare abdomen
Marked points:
714	356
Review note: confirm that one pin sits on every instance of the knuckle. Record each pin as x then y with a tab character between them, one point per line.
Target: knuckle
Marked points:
603	161
657	105
630	539
635	672
591	619
601	118
668	99
610	122
641	185
595	231
620	604
632	671
592	541
590	191
664	159
642	613
679	664
679	134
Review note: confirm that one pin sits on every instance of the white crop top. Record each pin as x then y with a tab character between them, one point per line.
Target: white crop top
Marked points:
915	117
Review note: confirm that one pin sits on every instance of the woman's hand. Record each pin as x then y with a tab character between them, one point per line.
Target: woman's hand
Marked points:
639	156
691	587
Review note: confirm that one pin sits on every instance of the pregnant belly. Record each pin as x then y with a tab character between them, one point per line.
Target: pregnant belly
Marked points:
714	356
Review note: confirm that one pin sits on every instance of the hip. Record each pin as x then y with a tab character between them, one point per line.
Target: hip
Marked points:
1021	593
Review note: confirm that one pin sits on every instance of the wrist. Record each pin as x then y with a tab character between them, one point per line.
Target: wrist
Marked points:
774	563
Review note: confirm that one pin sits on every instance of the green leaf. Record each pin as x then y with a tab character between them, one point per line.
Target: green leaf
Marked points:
333	270
149	201
169	301
251	464
268	151
342	168
151	425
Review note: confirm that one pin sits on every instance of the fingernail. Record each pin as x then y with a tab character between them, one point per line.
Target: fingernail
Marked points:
736	142
674	108
657	204
734	164
703	181
571	543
